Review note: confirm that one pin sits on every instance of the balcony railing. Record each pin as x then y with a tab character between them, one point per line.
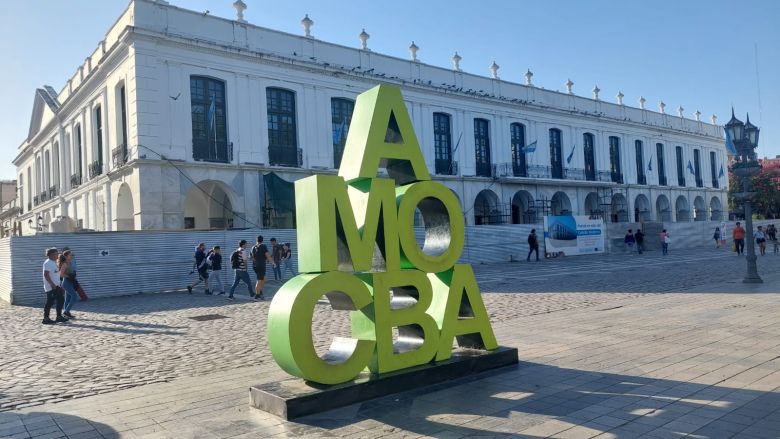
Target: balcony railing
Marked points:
29	206
519	170
662	180
699	182
52	192
36	201
616	177
715	183
641	179
605	176
446	167
284	156
95	169
43	196
574	174
119	155
75	181
681	181
211	151
538	171
484	169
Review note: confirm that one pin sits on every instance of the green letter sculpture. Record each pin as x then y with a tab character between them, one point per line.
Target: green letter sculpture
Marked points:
357	246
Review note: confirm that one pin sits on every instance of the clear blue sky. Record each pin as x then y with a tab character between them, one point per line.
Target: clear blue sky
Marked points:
698	54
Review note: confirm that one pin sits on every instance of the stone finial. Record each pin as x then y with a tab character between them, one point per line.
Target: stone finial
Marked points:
596	91
364	39
642	101
714	119
569	84
620	97
307	23
680	110
662	107
240	8
494	70
697	116
528	76
456	61
413	51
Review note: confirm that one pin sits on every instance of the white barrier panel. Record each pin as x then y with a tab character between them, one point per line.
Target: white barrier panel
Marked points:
574	235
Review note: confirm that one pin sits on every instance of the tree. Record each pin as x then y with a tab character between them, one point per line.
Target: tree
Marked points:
765	185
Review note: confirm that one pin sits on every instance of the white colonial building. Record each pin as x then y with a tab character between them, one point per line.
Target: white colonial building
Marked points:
180	119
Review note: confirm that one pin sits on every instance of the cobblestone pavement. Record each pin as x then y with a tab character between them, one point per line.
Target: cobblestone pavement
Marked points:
131	341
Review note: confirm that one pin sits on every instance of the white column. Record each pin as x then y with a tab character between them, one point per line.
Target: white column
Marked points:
107	200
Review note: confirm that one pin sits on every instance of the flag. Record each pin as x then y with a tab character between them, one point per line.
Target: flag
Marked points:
530	147
338	133
571	154
721	174
690	167
210	119
650	164
730	143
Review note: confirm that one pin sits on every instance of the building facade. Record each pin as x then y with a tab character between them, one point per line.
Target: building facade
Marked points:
184	120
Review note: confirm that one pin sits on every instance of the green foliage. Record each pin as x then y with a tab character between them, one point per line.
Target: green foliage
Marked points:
765	185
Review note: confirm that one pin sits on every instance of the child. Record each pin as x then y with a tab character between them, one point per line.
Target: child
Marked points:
215	261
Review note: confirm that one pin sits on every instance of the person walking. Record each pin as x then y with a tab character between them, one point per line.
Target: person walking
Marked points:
667	242
74	269
238	262
664	244
639	237
761	240
738	235
629	240
276	255
215	262
51	286
287	260
260	256
533	245
201	266
716	236
68	275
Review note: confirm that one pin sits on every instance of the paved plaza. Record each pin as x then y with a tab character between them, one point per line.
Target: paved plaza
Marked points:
611	346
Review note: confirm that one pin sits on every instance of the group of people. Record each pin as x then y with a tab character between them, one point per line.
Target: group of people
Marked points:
60	285
208	265
761	236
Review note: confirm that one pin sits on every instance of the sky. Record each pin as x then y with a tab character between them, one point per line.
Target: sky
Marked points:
700	54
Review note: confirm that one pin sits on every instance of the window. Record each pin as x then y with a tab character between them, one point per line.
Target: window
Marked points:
556	153
697	168
588	141
209	120
680	166
442	143
189	222
77	150
640	162
659	152
614	160
713	172
20	190
123	115
519	165
282	134
99	135
341	116
29	188
482	147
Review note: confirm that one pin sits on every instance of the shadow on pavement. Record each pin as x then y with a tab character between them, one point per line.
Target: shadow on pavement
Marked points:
518	398
49	424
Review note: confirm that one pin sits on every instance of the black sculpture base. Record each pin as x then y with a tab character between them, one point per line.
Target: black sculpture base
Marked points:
294	397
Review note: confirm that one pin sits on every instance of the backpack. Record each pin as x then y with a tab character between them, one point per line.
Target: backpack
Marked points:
234	260
255	251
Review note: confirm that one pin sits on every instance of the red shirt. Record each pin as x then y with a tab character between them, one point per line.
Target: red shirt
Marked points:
738	233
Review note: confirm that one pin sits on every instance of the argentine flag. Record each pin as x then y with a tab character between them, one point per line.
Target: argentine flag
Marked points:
721	174
530	148
210	119
650	164
690	167
571	154
730	143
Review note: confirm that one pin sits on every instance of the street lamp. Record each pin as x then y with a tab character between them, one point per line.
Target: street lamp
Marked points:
745	138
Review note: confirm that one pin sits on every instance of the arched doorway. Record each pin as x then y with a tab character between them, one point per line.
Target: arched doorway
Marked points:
682	209
560	204
125	210
619	212
716	213
209	205
662	210
523	211
486	208
699	209
592	208
641	208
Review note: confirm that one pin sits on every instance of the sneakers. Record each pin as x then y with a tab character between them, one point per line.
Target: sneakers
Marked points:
68	314
189	289
61	319
48	321
221	293
230	298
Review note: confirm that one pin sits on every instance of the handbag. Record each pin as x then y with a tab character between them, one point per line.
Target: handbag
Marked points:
733	247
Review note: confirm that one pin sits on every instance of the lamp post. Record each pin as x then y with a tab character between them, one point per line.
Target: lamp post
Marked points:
745	139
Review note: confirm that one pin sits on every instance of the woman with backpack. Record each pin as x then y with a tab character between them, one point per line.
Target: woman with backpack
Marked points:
238	263
68	276
716	237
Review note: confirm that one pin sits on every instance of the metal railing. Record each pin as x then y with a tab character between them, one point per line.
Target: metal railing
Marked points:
699	182
715	183
485	169
446	167
119	155
641	179
211	151
52	192
75	181
616	177
681	181
43	196
574	174
36	201
662	180
539	171
285	156
95	169
604	176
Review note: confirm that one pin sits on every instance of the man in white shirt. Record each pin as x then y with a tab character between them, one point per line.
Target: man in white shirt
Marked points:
51	286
